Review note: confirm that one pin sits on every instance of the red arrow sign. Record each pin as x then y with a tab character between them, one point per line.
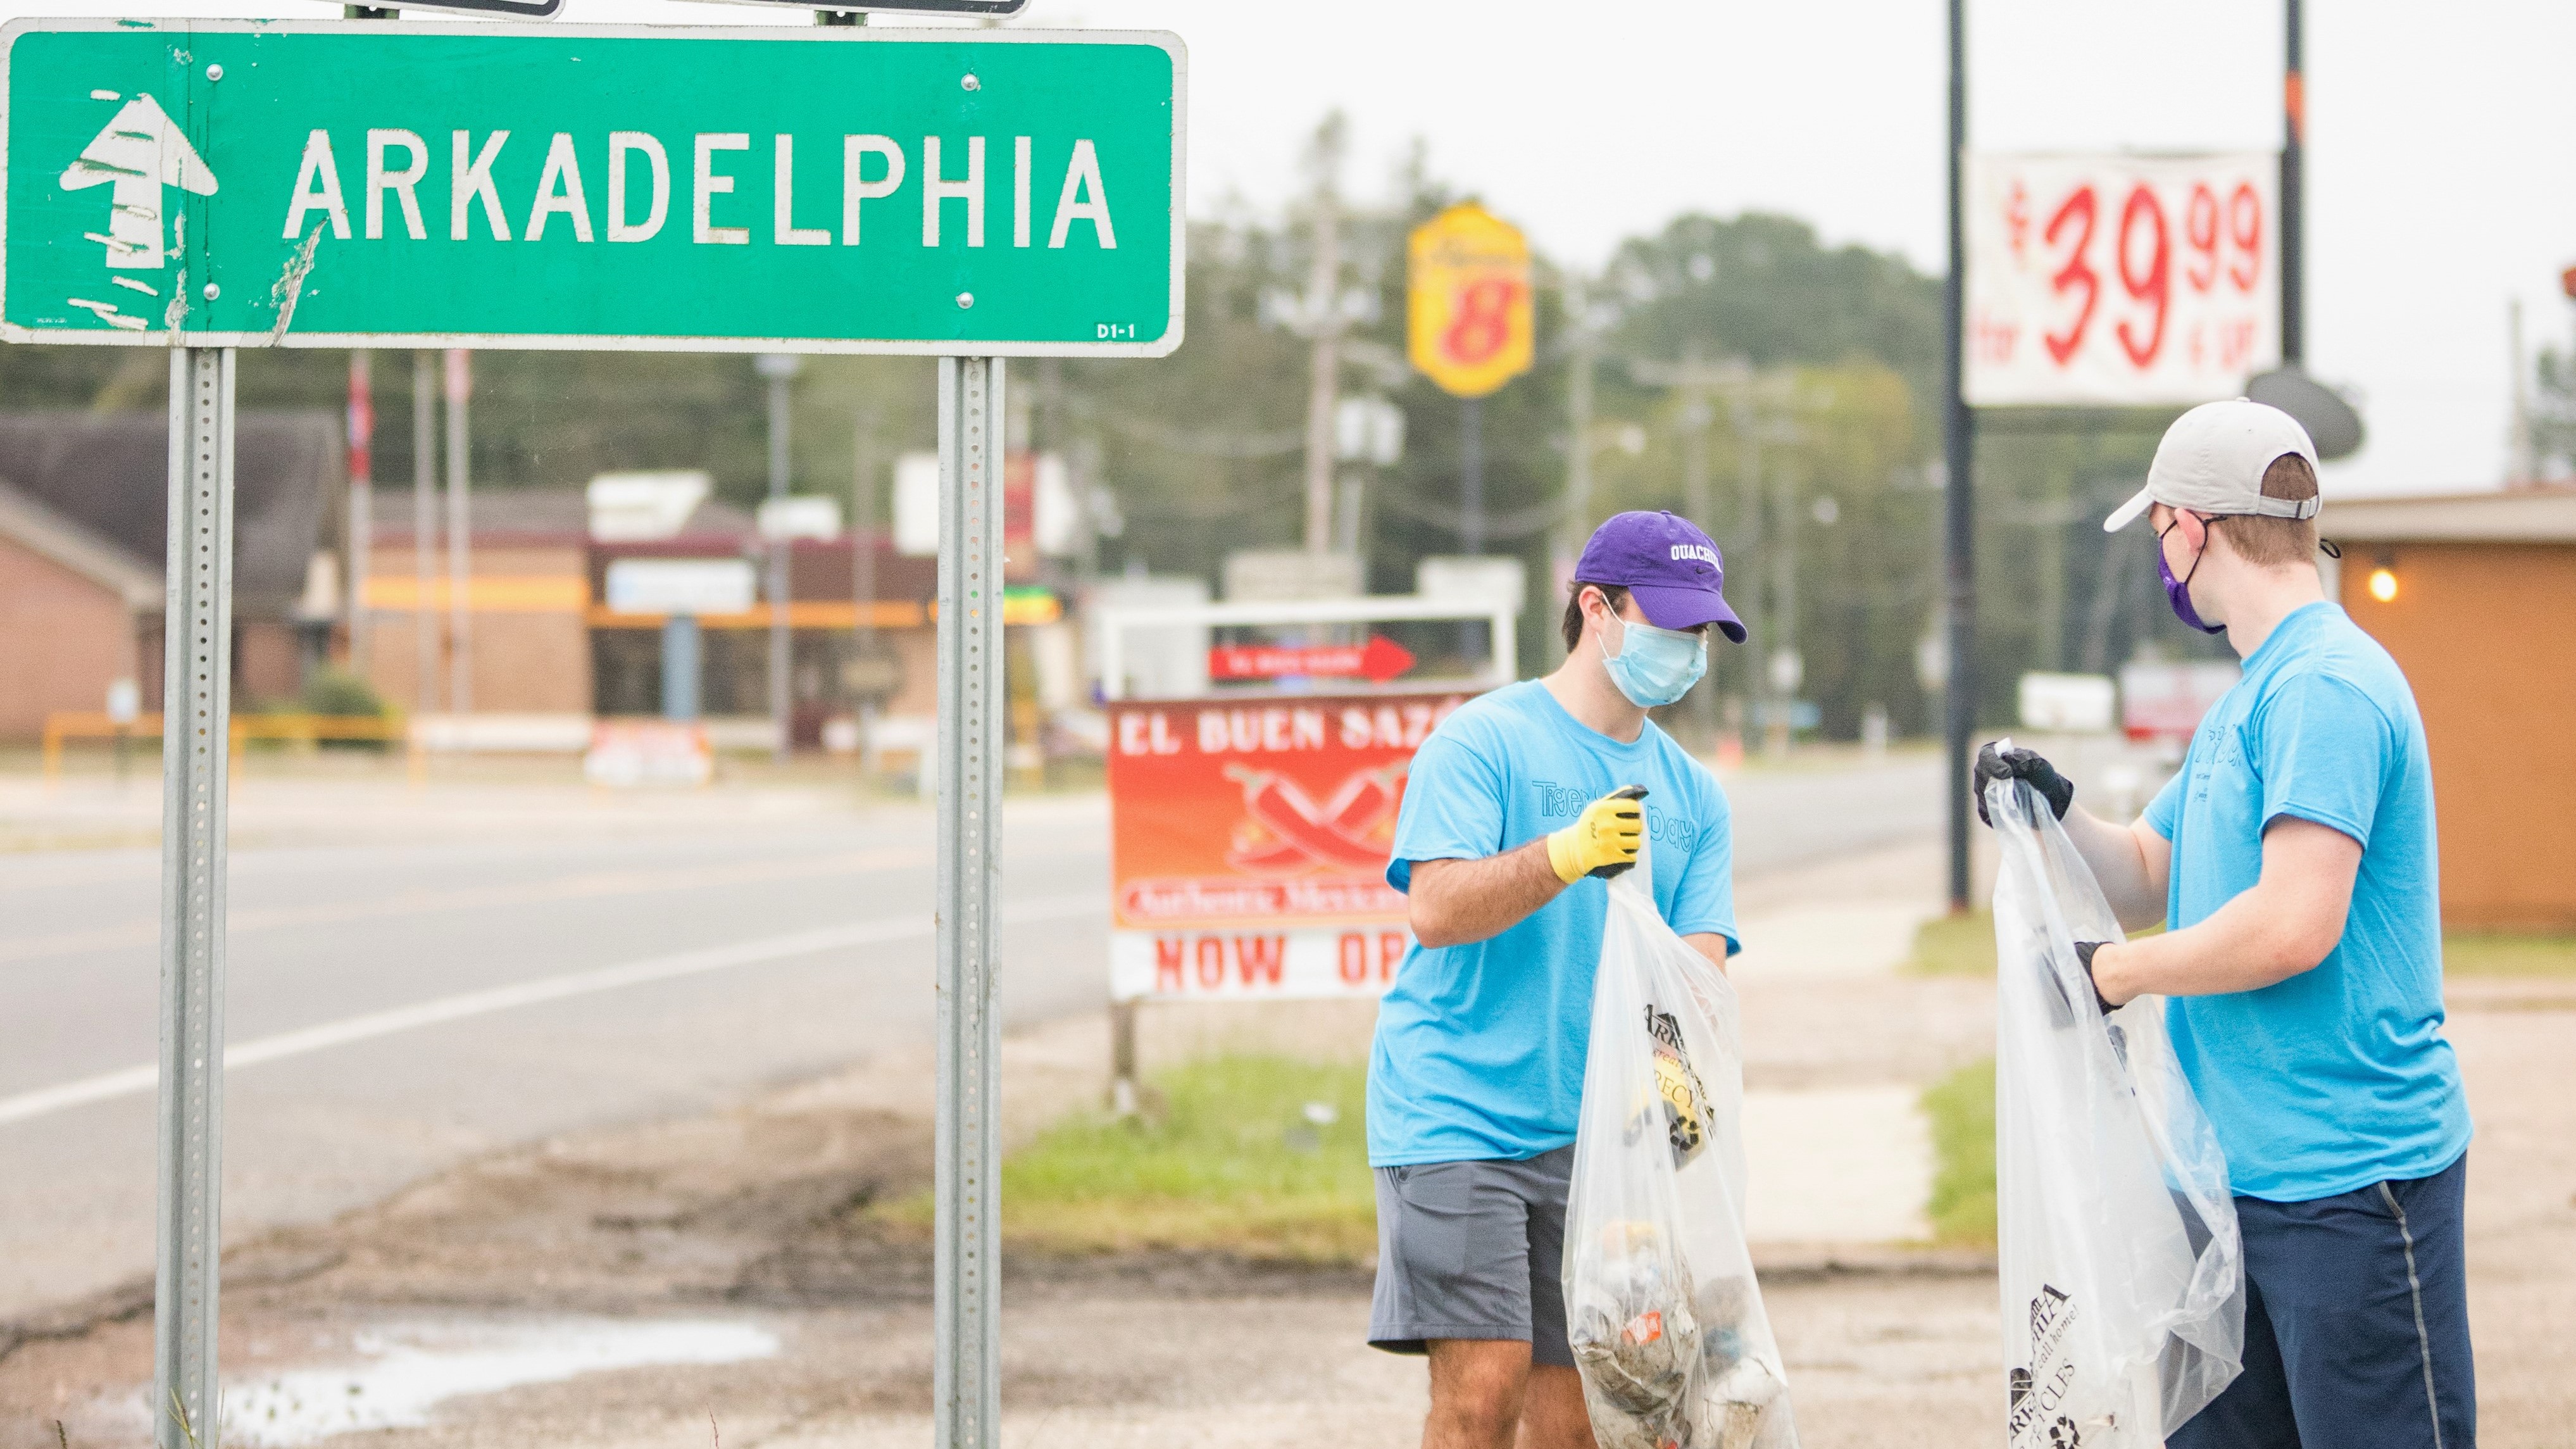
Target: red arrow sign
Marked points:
1380	660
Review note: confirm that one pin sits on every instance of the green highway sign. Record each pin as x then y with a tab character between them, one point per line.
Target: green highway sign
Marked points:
363	184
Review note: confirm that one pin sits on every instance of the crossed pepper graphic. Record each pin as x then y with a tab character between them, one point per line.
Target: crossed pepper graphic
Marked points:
1289	831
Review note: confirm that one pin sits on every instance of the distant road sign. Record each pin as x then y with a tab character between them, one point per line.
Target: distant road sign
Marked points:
1472	324
1380	660
522	9
989	8
2121	280
221	183
680	586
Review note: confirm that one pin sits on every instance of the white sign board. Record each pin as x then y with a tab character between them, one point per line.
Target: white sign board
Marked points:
2067	703
916	505
680	586
1473	580
645	507
805	515
2120	280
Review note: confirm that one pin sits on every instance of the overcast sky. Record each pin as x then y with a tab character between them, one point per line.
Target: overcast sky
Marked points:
2440	151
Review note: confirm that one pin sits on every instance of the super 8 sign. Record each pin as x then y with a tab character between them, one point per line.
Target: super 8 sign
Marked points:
1471	325
2120	280
1249	841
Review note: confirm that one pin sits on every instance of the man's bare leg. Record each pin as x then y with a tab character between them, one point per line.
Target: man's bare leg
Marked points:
1486	1394
1476	1390
1552	1412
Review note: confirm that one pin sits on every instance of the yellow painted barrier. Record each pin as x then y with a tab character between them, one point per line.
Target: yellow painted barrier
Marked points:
303	728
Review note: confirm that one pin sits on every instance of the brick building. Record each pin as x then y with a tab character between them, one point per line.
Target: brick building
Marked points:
84	518
2475	595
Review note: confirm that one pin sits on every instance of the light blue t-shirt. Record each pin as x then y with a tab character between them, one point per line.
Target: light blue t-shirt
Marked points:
2338	1077
1480	1048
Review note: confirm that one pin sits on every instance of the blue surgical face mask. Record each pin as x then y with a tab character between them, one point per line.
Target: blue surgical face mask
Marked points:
1655	666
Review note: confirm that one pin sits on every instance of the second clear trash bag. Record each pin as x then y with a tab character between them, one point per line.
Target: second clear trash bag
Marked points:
2123	1275
1660	1303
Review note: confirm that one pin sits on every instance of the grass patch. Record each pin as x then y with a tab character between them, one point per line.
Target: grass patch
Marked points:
1229	1160
1961	1107
1965	946
2507	953
1954	946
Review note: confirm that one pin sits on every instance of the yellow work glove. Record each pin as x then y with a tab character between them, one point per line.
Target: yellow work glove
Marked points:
1603	840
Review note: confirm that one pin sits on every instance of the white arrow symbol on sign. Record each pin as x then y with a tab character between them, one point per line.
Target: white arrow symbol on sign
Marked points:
138	153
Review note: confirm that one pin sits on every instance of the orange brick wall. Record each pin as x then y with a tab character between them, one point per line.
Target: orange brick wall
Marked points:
66	639
526	661
2487	635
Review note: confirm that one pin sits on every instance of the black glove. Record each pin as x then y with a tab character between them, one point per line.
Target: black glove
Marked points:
2084	952
2020	764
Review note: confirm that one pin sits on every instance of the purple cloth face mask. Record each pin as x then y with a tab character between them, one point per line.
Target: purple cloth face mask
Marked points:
2178	590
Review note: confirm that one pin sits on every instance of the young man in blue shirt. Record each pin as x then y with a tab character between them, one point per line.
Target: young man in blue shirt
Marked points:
2294	858
1514	806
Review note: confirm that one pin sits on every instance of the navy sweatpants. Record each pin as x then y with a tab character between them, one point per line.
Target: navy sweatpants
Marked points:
2356	1324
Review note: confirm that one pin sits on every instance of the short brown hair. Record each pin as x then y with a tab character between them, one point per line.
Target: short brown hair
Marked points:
2273	542
1572	626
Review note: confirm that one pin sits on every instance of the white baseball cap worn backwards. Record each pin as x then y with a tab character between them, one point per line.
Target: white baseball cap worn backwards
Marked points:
2212	461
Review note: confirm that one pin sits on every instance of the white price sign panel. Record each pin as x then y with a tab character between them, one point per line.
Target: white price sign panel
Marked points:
2120	280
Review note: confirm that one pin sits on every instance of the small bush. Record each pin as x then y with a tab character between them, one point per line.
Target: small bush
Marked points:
342	695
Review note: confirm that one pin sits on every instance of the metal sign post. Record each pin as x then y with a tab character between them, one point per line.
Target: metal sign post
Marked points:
196	701
966	1309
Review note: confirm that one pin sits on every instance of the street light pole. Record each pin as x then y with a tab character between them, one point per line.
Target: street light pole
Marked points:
2294	222
424	532
779	368
460	541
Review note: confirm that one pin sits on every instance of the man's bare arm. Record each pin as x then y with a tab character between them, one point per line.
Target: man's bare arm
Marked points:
2129	861
1709	944
2289	920
1454	902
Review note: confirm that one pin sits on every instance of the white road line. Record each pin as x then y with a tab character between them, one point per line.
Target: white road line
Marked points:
129	1081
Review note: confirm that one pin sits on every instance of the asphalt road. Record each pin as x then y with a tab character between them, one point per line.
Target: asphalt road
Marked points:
401	999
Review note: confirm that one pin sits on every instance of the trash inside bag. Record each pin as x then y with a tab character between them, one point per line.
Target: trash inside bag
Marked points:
2123	1275
1662	1310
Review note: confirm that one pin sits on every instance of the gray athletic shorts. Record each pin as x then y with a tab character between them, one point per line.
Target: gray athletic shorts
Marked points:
1472	1250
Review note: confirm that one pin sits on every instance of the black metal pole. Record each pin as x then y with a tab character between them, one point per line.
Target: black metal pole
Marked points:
1471	505
1471	468
2294	125
1958	436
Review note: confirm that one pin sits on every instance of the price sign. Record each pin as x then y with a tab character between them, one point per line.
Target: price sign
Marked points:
1471	324
2121	280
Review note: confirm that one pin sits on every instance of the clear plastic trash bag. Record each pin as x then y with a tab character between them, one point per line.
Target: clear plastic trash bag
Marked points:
2123	1275
1661	1307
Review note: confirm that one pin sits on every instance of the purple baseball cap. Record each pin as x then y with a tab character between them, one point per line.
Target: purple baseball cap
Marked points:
1667	565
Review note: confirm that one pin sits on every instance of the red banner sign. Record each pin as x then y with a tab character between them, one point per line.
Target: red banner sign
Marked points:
1379	660
1248	842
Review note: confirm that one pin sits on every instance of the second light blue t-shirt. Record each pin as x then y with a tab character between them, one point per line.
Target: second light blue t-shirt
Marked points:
1480	1048
2338	1077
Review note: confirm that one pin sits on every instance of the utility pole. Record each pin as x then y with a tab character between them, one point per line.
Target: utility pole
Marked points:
1696	379
2294	221
779	368
1958	436
1788	668
362	501
1575	528
863	578
460	542
1324	313
424	531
